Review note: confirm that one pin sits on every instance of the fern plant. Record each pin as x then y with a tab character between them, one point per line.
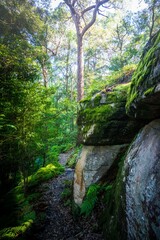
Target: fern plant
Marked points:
90	200
92	196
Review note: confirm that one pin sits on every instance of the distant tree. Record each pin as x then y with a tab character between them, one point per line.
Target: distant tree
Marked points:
152	15
19	70
84	15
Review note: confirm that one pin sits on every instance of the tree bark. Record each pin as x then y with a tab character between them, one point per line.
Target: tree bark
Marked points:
67	66
80	66
45	75
152	19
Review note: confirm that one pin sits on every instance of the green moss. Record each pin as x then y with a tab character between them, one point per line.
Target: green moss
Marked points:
121	92
116	95
113	219
118	76
98	114
149	91
133	96
123	75
18	213
143	77
44	174
71	162
15	232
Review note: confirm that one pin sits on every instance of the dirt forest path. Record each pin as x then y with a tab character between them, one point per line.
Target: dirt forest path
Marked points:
59	223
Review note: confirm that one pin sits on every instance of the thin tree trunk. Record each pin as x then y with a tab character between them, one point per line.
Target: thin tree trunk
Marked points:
67	66
80	77
78	18
44	72
152	19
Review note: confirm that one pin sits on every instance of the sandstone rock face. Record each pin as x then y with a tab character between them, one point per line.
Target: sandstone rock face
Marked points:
142	183
102	120
93	164
133	202
144	96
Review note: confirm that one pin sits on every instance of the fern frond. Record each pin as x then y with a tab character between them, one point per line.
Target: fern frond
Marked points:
90	200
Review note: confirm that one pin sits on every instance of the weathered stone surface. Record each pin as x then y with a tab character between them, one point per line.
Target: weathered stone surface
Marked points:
144	96
142	184
133	207
102	120
93	164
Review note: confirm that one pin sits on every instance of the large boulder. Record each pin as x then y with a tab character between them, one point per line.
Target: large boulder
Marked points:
133	211
93	163
142	169
102	119
144	97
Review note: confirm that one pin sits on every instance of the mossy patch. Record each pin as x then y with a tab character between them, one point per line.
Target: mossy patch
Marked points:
15	232
71	162
122	76
149	91
18	215
113	217
44	174
94	115
145	77
116	94
114	99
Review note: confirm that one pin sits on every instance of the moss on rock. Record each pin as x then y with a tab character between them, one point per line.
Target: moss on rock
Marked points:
144	82
113	218
102	118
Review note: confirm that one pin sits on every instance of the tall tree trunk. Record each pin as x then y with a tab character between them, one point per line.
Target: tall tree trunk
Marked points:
45	77
67	66
80	77
78	13
152	19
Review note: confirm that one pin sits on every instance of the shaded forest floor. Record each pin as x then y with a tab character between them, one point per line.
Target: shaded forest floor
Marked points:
58	222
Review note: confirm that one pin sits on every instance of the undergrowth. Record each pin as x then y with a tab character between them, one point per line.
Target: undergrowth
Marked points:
92	197
123	75
71	162
18	215
66	195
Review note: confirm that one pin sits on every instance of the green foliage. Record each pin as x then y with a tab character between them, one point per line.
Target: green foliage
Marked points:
113	218
66	196
107	192
18	214
120	76
90	199
35	123
145	71
94	195
44	174
15	232
93	114
71	162
149	91
20	94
